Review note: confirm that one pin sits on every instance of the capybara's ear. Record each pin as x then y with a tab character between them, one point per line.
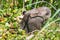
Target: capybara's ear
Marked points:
23	13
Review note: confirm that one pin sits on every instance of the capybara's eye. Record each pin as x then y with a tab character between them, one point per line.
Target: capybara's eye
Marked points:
47	14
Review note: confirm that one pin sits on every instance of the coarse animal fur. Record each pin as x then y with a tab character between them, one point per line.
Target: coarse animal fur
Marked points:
33	19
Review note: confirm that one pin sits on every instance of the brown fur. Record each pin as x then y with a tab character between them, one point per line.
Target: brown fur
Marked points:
35	18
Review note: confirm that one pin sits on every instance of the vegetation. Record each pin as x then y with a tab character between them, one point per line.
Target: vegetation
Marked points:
9	23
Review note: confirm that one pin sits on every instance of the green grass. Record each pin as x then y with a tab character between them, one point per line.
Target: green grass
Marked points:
8	19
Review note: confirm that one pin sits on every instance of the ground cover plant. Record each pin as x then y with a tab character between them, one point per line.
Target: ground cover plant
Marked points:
9	21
